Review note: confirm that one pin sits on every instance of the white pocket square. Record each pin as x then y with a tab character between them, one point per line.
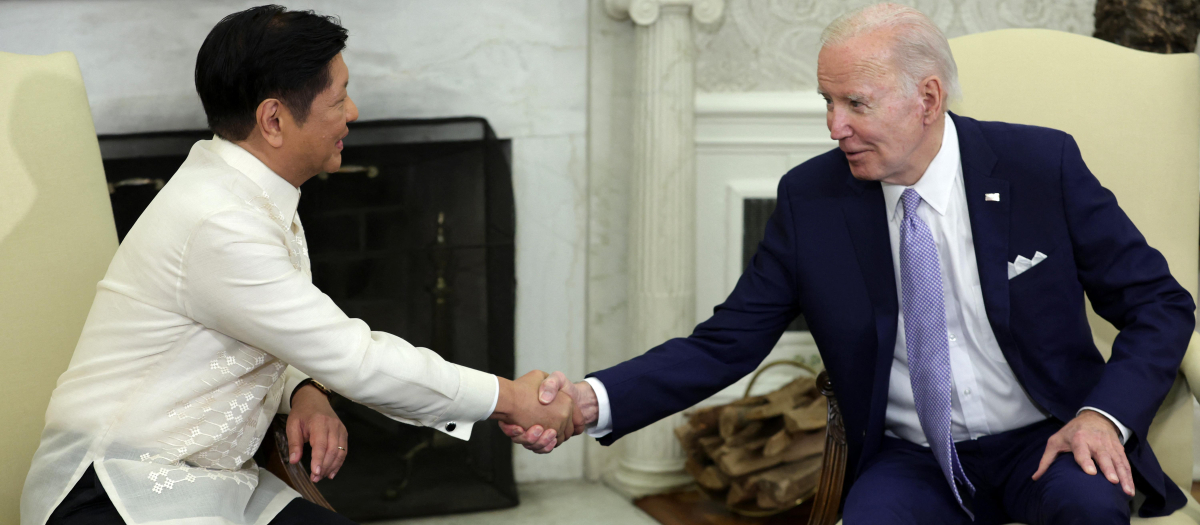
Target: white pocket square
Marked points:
1019	266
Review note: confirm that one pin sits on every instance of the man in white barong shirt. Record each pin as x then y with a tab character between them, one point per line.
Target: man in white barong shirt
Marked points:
207	323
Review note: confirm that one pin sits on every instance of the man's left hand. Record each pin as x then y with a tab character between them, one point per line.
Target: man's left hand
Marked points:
1093	439
313	421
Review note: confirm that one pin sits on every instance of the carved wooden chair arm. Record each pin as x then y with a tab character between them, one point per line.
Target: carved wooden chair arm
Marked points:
296	476
833	471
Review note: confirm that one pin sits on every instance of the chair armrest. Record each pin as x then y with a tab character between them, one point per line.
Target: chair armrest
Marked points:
296	476
1190	368
833	471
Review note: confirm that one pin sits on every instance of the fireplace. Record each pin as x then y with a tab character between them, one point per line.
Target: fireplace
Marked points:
414	235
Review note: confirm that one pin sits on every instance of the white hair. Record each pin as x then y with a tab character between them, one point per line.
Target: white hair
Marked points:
920	49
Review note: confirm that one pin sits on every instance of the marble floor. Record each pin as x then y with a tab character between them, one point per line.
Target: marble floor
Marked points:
553	502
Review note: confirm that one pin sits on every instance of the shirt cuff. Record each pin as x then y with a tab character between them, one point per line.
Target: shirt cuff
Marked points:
1125	432
478	393
603	425
495	398
291	378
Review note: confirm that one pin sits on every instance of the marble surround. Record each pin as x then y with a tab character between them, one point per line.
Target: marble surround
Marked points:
771	45
522	64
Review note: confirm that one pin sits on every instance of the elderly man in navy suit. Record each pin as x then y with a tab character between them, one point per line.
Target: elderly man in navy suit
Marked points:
942	265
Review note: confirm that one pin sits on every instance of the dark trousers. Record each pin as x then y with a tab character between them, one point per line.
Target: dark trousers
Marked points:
903	484
88	504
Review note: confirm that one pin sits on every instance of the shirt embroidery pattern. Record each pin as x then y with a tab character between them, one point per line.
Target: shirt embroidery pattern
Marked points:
222	427
297	248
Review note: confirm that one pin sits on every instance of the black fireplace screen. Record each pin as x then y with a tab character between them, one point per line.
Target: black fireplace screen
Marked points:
414	235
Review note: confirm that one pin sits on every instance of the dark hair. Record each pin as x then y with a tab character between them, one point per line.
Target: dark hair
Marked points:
260	53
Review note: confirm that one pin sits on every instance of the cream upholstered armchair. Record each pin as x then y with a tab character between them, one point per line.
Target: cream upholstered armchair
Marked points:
57	238
1136	117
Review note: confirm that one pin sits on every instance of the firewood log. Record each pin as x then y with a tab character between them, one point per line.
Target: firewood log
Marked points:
741	490
799	392
782	486
705	420
733	419
775	480
711	444
713	478
750	432
803	387
740	449
810	417
777	443
736	462
701	423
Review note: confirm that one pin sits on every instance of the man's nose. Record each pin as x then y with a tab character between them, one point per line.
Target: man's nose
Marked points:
835	120
352	113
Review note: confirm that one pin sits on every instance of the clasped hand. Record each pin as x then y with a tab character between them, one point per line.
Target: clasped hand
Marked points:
542	440
524	404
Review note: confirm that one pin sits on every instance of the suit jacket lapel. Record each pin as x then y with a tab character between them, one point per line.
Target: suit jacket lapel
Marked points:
989	227
866	220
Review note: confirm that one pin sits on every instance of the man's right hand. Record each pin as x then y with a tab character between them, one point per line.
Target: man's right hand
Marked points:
519	406
587	410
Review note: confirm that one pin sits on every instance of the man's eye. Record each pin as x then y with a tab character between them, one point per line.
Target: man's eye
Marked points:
855	104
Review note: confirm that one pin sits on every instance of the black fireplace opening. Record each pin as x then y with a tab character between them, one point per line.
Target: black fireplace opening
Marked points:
415	236
756	212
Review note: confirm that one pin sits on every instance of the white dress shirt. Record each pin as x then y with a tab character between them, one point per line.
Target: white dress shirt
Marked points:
184	358
987	398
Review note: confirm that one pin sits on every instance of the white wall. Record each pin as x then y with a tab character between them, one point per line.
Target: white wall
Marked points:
522	64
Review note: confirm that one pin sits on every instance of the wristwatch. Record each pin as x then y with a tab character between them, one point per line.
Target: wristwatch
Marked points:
310	381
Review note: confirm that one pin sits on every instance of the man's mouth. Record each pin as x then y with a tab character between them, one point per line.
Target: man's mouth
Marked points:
855	155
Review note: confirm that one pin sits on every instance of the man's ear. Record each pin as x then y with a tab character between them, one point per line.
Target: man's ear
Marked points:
933	99
269	116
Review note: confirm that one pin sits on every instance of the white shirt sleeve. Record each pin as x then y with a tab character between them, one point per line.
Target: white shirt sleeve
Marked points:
1125	432
238	280
603	424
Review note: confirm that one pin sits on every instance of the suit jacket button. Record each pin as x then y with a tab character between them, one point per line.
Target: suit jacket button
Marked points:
450	427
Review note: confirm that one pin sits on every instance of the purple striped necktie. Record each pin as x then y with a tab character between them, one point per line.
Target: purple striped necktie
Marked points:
925	337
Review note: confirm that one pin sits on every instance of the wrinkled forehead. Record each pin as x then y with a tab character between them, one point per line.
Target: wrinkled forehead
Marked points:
862	62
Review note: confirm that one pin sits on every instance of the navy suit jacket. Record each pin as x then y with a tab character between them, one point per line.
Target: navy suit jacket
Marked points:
826	253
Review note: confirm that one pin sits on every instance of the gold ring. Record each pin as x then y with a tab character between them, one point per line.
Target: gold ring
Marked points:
340	448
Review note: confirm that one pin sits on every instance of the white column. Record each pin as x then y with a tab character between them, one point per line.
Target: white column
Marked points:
662	230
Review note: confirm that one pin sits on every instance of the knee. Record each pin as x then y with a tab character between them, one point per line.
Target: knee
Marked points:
1097	502
871	504
862	508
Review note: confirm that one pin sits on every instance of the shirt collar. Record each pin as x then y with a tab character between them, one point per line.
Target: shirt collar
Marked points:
279	191
937	183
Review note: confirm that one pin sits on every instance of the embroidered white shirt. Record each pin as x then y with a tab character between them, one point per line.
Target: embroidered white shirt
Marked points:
184	358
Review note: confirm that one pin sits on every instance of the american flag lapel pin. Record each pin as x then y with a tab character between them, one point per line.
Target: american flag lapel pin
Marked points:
991	197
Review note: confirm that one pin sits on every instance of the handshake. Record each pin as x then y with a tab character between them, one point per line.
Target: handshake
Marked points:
531	412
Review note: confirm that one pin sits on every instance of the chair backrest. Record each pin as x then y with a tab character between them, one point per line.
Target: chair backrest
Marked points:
56	240
1136	117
